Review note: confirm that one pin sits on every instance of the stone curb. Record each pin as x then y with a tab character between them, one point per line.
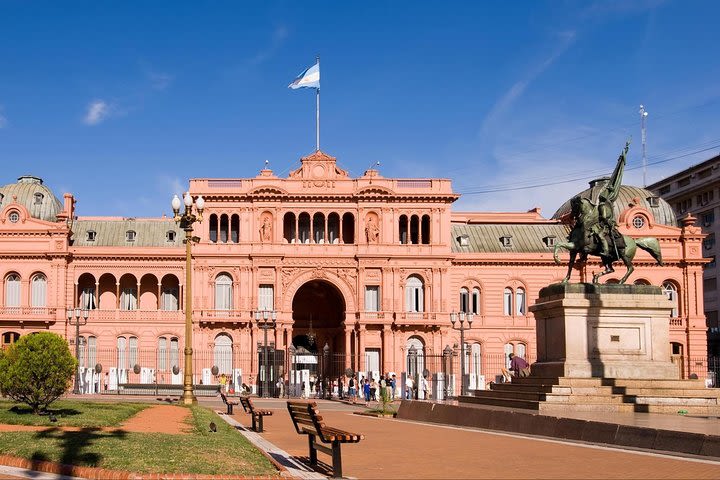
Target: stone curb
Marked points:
95	473
646	438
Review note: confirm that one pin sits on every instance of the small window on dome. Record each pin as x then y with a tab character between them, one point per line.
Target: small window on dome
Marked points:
463	240
550	241
654	201
506	241
91	234
170	236
38	198
14	217
638	221
130	236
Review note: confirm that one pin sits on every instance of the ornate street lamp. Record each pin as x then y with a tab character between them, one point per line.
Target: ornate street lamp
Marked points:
77	317
461	328
266	320
186	221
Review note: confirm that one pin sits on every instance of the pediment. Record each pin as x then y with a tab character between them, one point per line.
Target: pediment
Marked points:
319	166
16	217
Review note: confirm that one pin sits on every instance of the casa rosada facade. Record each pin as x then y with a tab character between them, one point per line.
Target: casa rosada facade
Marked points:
369	268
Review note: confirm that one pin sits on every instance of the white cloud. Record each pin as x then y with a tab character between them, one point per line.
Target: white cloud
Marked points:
279	35
518	88
98	110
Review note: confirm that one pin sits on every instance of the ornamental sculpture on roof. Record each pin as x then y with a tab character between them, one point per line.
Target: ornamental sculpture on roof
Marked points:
594	230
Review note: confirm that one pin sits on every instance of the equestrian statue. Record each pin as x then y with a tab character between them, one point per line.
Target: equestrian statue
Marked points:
594	230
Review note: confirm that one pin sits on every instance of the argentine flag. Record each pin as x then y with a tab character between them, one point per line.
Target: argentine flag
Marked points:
310	78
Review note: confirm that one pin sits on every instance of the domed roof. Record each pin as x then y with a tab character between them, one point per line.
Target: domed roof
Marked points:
30	192
660	209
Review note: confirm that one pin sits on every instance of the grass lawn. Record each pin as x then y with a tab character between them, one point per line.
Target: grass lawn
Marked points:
201	451
71	414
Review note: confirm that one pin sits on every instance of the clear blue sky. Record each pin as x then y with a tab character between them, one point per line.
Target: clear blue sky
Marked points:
149	94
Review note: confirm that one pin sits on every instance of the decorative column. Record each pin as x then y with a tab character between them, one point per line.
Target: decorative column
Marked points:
361	348
386	348
348	349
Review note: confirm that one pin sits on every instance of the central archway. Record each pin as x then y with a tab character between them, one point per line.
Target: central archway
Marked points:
318	310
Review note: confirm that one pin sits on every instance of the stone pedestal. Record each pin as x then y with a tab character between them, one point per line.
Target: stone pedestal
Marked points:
609	331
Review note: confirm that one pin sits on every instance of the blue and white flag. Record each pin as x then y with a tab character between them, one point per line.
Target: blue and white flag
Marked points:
310	78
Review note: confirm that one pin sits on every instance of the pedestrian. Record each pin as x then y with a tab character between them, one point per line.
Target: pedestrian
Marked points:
223	383
393	384
351	389
425	386
518	366
409	388
373	390
280	387
366	390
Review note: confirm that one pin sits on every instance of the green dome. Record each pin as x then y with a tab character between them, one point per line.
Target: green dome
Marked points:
660	209
30	192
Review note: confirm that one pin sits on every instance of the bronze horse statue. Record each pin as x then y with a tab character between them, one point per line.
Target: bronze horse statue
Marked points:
582	241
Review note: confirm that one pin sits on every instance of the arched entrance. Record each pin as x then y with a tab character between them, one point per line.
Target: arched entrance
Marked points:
318	339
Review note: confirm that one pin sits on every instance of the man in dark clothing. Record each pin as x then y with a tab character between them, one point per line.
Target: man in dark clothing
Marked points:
519	366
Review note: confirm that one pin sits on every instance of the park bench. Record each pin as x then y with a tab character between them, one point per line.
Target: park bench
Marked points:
230	403
255	414
307	421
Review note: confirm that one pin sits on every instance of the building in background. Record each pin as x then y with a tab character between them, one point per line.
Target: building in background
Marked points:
362	274
694	191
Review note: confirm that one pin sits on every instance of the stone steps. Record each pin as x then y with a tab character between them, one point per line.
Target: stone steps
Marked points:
556	394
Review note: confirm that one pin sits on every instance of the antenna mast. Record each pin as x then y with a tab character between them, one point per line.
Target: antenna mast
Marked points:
643	114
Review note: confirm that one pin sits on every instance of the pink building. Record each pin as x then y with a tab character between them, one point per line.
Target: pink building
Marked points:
372	267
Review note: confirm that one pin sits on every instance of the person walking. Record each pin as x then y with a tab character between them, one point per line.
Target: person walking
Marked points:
366	390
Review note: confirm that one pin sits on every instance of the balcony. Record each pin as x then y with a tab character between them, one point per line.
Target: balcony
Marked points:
28	314
223	316
676	322
135	316
374	316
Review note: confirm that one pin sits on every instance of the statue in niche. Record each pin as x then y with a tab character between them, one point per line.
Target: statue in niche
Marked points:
372	231
266	230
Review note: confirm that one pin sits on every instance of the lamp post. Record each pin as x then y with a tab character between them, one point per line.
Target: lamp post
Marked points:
266	320
461	328
77	317
186	221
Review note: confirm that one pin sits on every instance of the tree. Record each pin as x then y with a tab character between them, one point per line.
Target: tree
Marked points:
36	370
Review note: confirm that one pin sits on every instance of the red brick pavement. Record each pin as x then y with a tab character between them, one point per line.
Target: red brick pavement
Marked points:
400	449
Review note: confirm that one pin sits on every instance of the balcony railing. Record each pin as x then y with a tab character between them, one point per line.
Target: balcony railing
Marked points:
135	315
40	314
676	322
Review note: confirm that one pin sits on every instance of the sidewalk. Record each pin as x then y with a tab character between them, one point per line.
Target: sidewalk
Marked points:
401	449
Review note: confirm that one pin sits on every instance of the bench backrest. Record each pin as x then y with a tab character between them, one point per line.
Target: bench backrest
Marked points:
246	404
224	398
305	415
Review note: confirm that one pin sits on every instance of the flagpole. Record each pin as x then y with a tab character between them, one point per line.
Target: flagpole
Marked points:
317	113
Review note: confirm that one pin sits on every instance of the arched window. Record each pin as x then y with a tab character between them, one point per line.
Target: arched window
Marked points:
425	230
12	290
133	344
223	354
223	292
464	300
508	350
289	227
348	228
520	301
670	291
403	229
304	228
235	228
521	350
87	298
38	291
333	233
414	230
414	301
174	352
318	228
415	356
475	360
8	338
92	351
507	301
476	301
224	227
162	354
122	353
128	299
213	228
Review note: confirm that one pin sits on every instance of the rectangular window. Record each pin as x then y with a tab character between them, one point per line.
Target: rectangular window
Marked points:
174	352
709	242
663	190
169	299
92	351
128	299
684	182
372	298
710	284
133	351
87	298
708	218
266	300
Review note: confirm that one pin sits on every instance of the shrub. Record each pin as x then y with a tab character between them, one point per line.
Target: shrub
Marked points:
36	370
